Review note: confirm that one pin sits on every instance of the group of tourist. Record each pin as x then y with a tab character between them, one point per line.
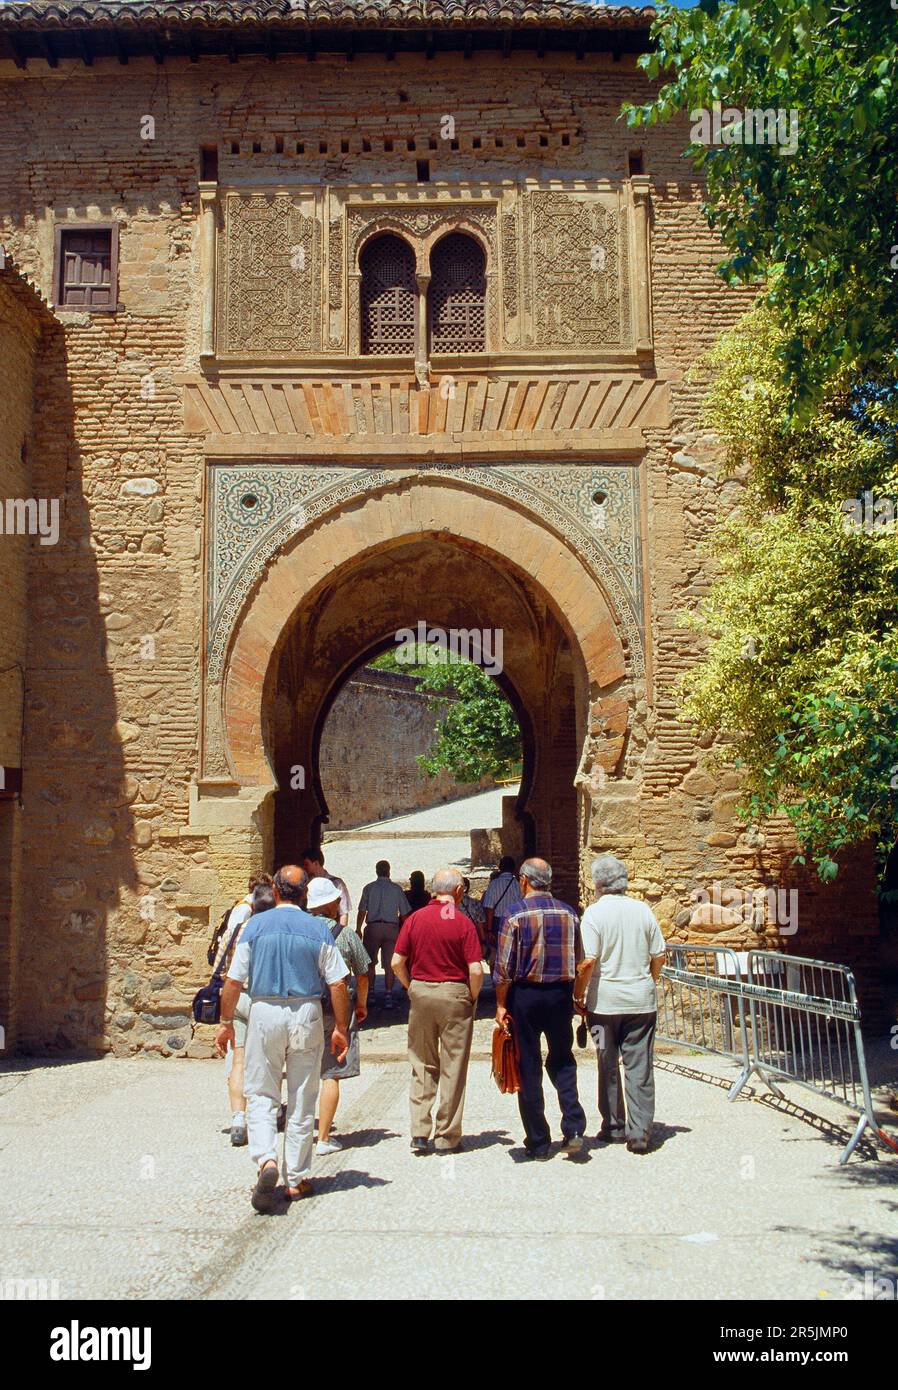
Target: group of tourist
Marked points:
299	980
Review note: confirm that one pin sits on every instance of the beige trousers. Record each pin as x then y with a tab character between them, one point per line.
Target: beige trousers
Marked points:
440	1028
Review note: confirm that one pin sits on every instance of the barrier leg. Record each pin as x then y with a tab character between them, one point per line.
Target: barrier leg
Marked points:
862	1124
768	1081
740	1081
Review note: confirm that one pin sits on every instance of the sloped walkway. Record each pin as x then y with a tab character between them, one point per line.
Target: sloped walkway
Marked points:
424	840
119	1182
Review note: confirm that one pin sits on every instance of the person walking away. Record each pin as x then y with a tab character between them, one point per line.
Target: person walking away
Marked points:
417	894
324	900
623	955
501	895
472	908
536	964
259	896
385	907
437	959
312	861
282	957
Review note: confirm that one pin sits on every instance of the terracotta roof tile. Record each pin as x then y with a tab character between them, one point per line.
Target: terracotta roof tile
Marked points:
386	14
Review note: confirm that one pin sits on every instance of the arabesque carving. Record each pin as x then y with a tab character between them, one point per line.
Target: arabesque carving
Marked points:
268	277
578	254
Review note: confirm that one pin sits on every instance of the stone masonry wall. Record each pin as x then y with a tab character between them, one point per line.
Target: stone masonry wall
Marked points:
377	776
21	322
128	889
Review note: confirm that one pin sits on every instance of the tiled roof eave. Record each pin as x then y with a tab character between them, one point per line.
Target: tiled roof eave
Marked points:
53	15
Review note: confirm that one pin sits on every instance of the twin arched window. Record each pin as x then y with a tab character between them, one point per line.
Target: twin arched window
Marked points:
456	302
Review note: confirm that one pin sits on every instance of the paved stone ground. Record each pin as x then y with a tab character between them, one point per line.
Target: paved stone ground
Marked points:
424	840
118	1181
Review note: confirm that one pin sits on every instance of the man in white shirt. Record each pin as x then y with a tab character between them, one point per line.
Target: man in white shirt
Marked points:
623	953
312	861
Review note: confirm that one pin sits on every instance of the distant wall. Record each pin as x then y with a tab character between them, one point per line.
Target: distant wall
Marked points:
377	727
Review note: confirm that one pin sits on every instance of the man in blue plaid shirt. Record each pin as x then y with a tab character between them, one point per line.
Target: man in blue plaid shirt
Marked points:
536	964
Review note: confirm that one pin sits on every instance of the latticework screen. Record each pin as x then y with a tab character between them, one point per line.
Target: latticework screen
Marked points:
457	295
388	297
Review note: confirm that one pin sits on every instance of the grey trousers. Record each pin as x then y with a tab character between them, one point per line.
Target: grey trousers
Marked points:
283	1035
627	1038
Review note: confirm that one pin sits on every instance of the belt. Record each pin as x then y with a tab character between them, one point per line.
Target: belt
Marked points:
540	984
285	998
379	922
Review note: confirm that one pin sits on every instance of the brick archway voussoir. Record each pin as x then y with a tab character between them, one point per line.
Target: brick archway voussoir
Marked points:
406	510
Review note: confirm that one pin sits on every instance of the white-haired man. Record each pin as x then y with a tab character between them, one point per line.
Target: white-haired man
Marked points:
623	953
437	959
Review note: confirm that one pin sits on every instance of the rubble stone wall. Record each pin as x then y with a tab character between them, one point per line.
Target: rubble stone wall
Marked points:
373	776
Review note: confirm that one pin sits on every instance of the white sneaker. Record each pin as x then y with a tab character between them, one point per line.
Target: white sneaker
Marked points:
328	1146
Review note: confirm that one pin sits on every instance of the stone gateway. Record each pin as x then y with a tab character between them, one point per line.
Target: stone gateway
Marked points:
320	321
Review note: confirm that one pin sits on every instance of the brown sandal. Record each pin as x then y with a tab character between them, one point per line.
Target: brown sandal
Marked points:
264	1193
304	1189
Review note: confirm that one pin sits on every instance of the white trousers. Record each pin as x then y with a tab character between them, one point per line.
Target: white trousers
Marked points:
283	1034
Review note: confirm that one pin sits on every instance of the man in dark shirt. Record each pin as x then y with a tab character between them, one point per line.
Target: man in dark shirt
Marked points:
536	963
437	959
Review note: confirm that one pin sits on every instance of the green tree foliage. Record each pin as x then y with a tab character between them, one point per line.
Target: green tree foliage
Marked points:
801	673
828	214
478	734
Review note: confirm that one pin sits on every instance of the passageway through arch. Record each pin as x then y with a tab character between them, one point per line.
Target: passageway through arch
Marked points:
423	552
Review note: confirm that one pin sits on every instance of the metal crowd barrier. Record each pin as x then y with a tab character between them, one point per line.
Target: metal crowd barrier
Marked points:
777	1016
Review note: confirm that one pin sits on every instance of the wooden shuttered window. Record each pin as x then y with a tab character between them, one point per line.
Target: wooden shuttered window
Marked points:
87	267
457	300
389	297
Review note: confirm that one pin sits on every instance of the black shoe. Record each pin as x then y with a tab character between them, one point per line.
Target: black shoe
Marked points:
606	1136
282	1118
420	1146
638	1146
573	1145
238	1135
540	1154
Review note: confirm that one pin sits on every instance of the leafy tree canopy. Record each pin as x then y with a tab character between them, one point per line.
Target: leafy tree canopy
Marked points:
478	734
801	673
826	214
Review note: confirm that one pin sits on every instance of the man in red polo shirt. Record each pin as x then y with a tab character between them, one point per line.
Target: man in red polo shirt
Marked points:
437	959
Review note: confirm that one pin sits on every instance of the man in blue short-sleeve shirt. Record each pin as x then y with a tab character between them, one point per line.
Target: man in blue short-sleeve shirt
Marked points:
282	957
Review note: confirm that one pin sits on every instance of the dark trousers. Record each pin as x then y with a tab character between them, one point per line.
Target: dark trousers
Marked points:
547	1010
627	1038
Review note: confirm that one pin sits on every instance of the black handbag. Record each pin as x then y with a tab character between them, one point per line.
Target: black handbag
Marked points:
207	1001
